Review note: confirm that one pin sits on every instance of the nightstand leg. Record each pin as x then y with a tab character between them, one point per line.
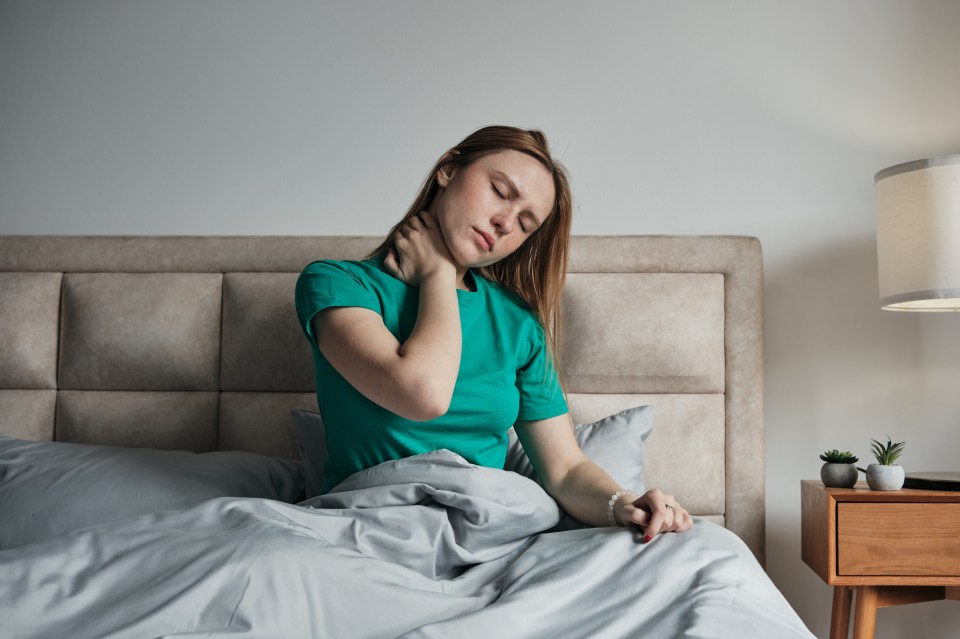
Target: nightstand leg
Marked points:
840	619
865	617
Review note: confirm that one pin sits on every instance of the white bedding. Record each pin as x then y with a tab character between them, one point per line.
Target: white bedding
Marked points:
429	546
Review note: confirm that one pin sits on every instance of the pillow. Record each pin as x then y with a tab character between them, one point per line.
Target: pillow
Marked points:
49	489
313	448
614	443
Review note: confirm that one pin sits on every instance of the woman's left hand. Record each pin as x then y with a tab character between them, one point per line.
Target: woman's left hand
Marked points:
655	512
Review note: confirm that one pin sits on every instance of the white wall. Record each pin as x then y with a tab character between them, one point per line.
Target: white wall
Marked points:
758	118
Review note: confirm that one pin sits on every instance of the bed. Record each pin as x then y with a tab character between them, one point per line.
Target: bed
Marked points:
150	469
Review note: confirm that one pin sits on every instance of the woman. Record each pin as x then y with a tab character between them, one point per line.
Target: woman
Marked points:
437	340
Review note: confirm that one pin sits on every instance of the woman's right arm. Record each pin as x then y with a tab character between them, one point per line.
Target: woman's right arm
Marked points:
415	379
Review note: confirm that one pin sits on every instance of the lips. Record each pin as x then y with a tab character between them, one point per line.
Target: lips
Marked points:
485	238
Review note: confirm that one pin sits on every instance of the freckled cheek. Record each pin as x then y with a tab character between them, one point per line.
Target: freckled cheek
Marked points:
510	246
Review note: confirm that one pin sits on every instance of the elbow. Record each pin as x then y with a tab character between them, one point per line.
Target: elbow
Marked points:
430	401
432	407
560	477
420	395
427	413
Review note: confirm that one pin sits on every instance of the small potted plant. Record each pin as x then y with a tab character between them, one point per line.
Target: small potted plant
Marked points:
886	474
839	470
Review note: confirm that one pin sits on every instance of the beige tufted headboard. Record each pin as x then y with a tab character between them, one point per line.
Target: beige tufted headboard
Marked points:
193	343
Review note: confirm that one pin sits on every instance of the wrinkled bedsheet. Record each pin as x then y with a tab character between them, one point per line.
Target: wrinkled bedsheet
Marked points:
429	546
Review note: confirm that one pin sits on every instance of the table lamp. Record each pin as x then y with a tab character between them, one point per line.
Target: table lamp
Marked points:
918	235
918	252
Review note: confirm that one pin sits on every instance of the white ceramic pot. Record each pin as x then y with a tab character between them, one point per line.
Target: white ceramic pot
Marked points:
838	475
884	477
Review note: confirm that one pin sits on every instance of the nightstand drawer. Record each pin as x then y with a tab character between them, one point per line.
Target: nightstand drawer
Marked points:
898	539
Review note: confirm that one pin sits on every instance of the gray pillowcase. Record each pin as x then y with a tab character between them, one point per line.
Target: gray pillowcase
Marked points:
49	489
615	443
313	448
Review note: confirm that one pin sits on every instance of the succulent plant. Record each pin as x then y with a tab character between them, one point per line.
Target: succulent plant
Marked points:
836	457
887	454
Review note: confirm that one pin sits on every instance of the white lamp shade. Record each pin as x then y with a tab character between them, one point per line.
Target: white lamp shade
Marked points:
918	235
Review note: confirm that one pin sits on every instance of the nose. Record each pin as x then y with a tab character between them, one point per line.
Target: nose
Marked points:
503	221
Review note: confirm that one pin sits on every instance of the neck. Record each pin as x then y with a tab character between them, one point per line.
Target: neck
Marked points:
461	271
462	280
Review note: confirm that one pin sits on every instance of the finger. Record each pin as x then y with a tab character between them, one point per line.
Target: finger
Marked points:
671	518
654	527
681	520
635	516
390	261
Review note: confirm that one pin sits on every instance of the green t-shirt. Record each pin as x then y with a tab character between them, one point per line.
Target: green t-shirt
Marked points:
504	372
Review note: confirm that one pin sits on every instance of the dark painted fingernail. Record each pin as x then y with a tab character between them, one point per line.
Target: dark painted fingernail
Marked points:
647	538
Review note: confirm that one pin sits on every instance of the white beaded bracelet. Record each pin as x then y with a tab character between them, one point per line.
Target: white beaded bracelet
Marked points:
613	500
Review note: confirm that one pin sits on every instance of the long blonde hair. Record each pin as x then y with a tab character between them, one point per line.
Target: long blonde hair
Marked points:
537	270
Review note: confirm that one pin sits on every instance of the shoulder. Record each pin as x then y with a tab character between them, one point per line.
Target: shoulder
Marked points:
344	282
328	283
353	267
342	271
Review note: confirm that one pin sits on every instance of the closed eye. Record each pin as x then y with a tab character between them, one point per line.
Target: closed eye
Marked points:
497	190
528	225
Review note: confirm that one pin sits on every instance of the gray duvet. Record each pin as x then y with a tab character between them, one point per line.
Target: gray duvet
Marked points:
429	546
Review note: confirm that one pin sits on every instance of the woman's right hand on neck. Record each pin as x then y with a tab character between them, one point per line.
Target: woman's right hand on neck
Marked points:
419	251
414	379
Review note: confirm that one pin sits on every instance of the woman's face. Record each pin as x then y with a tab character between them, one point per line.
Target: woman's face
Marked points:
488	208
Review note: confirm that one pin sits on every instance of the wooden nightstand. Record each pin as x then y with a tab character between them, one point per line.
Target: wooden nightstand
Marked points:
892	547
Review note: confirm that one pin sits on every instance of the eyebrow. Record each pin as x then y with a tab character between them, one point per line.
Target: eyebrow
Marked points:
516	192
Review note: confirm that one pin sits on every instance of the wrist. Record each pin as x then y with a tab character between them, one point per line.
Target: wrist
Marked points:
616	503
442	272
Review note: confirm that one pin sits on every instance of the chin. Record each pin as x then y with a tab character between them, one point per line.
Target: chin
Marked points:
487	262
480	258
469	257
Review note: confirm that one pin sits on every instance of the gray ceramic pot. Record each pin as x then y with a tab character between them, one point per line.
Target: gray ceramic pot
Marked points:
838	475
884	477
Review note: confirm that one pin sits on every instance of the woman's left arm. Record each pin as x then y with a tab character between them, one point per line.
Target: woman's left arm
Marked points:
583	489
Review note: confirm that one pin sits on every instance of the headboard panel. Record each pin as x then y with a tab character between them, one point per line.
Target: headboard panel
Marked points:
193	343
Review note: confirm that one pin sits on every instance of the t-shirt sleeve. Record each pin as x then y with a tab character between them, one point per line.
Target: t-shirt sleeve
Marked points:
326	284
541	396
